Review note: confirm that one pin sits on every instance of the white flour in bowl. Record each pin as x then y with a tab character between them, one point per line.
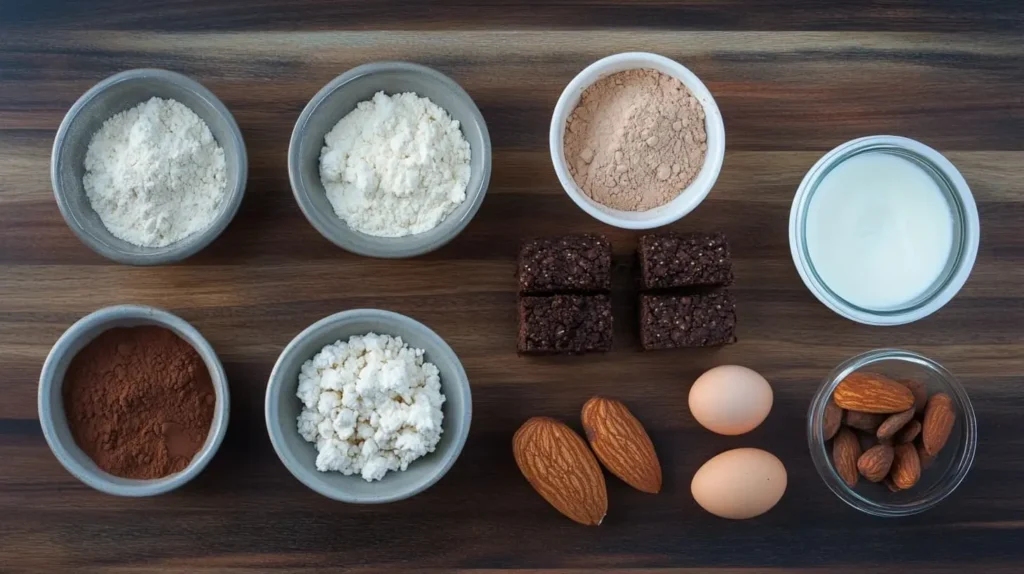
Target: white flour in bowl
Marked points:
154	174
395	166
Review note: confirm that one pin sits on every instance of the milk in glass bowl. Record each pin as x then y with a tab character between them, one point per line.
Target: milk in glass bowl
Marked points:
884	230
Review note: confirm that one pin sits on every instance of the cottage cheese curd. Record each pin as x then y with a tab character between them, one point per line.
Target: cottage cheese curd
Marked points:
370	405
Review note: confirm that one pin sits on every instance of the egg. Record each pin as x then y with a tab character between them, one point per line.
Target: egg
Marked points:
730	399
740	483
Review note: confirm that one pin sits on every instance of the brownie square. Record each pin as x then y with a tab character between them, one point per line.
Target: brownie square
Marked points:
573	263
565	324
672	260
672	321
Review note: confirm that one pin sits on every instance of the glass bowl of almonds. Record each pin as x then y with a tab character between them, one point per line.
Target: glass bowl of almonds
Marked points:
892	432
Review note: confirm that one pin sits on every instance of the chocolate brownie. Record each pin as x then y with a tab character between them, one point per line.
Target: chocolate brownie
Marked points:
672	260
573	263
701	320
565	324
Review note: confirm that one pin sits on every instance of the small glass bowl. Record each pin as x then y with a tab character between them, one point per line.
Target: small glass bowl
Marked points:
944	474
966	232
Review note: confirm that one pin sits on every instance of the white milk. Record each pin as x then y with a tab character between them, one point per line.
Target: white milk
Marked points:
879	230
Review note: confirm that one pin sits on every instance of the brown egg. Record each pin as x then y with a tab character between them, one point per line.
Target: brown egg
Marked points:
740	483
730	400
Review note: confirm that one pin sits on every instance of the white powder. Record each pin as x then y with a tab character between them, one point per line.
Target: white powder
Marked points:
154	174
396	165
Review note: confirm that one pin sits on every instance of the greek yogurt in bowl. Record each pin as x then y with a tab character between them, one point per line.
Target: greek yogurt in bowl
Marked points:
884	230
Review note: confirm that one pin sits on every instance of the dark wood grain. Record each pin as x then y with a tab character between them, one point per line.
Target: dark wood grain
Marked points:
792	82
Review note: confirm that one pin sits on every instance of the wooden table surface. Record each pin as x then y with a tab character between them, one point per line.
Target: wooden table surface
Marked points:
792	81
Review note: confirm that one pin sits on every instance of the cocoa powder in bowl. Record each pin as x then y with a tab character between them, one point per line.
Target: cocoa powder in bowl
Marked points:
139	401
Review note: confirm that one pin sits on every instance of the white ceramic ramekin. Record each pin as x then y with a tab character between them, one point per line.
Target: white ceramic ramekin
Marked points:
966	233
698	189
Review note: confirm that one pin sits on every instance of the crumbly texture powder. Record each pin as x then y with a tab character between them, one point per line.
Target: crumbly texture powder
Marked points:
395	166
154	174
370	405
636	140
139	401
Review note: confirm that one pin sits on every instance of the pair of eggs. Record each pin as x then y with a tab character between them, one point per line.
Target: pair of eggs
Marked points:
743	482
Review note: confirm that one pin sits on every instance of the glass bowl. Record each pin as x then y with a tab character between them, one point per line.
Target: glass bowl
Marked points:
966	232
940	478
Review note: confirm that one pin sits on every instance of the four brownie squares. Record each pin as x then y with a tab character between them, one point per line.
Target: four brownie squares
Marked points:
564	307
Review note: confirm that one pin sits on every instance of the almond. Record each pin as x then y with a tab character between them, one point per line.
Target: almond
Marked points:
832	419
621	444
893	424
939	416
559	466
872	393
874	464
845	452
868	422
920	394
909	432
906	466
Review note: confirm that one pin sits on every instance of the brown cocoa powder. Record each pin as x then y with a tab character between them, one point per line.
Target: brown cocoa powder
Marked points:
139	401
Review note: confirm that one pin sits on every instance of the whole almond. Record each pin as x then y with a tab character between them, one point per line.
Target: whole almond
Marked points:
832	419
868	422
909	432
845	452
875	463
920	394
906	466
560	467
621	444
872	393
893	424
939	416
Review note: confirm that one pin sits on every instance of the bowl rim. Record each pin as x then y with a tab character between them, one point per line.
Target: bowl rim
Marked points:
414	248
821	457
968	219
176	251
99	479
403	322
691	196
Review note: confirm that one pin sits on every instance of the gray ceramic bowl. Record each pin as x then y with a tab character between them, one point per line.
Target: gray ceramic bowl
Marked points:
340	97
51	402
116	94
299	456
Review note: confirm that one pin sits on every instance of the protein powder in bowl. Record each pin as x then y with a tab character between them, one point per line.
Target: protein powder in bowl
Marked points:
637	140
884	230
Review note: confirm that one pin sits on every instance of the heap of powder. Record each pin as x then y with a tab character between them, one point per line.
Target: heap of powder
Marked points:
395	165
139	401
635	140
154	174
